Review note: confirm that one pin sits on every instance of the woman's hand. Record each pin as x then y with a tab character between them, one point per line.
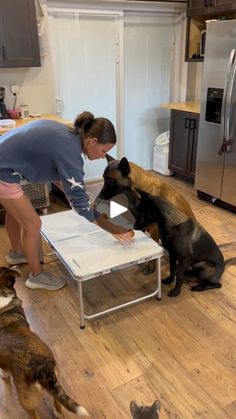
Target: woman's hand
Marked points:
120	233
125	238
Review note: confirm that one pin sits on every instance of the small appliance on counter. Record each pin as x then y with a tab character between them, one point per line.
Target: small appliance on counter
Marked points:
3	109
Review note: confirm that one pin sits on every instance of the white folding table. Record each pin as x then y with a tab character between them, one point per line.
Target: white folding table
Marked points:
88	251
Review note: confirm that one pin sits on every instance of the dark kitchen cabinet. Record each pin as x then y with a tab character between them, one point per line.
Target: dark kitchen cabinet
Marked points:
198	11
19	46
205	7
183	143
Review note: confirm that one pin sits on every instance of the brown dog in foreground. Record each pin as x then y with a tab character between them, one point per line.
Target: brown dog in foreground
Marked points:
145	181
25	356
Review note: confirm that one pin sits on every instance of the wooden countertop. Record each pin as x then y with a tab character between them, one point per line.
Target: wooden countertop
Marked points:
183	106
20	122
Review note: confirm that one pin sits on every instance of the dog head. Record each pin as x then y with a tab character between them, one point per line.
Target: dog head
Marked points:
116	178
145	412
7	279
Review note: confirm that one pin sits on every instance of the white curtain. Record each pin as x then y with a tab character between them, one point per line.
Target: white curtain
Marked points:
88	68
147	63
84	47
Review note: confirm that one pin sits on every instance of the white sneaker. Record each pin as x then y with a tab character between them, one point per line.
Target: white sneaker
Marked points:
45	281
15	258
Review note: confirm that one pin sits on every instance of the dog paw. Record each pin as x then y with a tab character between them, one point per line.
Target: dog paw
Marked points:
174	292
202	287
4	374
168	280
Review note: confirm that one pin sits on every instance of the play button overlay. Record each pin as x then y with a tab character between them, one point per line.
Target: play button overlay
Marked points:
116	209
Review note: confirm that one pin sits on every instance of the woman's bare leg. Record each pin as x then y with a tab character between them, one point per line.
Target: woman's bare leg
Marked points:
14	232
21	210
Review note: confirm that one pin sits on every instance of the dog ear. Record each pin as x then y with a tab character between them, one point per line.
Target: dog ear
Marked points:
156	407
133	408
124	167
109	158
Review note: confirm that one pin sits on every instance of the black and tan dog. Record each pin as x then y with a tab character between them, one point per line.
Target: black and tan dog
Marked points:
123	173
187	242
25	356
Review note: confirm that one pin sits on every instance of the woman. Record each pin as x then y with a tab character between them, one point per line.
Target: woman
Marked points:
47	151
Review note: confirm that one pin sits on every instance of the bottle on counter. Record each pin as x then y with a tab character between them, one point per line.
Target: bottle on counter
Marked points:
24	111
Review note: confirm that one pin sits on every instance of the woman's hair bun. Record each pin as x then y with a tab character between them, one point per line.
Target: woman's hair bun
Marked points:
85	118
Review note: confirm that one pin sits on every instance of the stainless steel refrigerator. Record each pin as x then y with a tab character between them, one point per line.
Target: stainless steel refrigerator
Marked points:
216	152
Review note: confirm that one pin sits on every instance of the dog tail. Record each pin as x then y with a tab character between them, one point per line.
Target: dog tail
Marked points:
48	379
229	262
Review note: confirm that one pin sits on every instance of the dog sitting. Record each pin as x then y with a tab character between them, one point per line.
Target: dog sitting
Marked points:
123	173
25	356
145	412
188	243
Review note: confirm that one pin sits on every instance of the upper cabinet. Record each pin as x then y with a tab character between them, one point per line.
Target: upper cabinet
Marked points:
198	11
19	46
204	7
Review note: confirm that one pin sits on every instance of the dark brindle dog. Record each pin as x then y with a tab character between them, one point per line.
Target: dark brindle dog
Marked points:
135	176
187	242
25	356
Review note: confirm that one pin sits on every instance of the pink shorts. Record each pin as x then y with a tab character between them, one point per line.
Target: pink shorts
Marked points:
10	190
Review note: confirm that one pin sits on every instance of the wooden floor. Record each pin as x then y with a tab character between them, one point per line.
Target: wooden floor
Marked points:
181	350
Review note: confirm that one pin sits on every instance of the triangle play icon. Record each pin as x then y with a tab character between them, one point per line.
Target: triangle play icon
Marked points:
116	209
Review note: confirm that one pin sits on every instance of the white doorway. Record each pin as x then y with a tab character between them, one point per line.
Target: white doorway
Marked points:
85	46
147	75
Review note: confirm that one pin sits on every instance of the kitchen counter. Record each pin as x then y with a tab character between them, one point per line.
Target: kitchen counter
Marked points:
184	106
20	122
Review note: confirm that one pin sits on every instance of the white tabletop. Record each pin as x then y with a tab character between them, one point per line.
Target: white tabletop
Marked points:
88	251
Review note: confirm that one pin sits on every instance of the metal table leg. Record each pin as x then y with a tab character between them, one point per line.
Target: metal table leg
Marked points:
156	293
81	305
159	278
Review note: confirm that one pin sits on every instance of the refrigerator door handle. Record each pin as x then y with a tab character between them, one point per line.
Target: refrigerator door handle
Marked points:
226	103
229	104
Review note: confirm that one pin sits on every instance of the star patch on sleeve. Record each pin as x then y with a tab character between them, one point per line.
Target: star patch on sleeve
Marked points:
74	184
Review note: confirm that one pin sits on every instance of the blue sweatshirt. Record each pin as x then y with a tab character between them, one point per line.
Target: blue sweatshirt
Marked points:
46	151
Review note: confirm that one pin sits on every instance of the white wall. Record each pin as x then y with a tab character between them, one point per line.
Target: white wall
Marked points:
36	83
194	81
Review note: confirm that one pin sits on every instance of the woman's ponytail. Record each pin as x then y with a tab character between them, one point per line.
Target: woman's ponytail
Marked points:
86	125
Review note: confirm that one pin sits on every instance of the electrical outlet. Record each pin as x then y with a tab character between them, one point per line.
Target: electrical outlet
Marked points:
15	89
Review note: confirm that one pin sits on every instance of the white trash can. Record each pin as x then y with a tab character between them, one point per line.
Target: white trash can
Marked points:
161	154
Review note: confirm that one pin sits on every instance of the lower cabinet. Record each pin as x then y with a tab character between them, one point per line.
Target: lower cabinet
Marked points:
183	144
